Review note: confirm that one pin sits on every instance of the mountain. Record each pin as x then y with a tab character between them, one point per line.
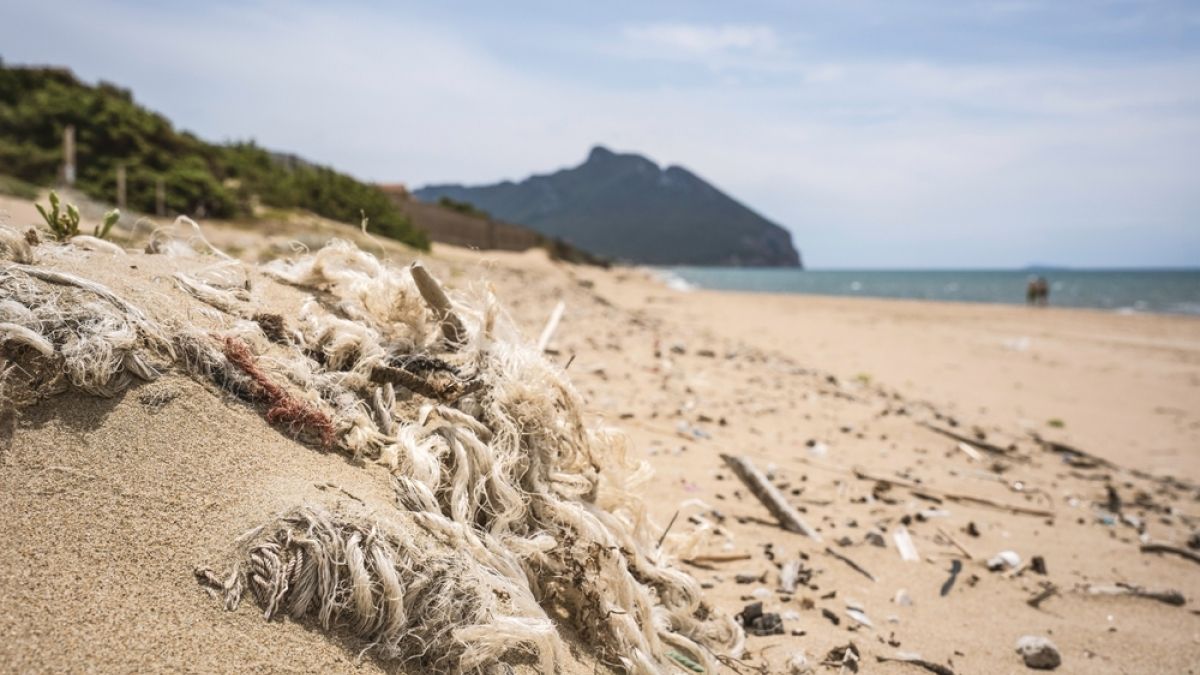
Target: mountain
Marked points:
624	207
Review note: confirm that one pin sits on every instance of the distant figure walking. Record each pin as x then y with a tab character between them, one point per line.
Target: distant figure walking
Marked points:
1038	291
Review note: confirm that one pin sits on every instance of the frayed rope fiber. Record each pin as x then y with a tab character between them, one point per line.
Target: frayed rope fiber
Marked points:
512	515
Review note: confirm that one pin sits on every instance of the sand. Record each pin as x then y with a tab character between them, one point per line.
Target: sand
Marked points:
107	504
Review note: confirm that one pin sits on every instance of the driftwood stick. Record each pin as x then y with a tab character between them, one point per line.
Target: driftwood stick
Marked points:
927	665
719	558
1048	591
439	302
973	442
551	326
1167	548
853	565
954	542
956	496
770	496
1168	595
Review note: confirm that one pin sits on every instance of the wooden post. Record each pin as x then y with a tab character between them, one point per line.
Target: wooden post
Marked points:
160	197
121	186
69	155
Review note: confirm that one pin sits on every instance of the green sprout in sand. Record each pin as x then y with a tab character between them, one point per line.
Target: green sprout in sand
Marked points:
64	224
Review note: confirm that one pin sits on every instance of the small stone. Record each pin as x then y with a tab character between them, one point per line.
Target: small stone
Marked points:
902	598
875	538
1039	652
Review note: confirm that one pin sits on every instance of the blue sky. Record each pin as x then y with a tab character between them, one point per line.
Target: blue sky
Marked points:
882	134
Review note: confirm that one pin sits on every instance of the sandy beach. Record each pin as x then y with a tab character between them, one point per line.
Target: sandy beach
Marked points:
847	405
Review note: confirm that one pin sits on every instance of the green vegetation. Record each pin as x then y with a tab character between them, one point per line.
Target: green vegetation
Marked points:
200	178
462	207
1055	423
65	224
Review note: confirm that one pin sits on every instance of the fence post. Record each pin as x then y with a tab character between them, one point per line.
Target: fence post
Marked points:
69	155
121	186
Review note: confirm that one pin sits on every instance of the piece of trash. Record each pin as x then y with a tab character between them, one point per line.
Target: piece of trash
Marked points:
756	622
818	450
904	544
1004	560
970	452
761	593
797	664
1039	652
859	616
789	576
955	568
846	656
683	660
902	598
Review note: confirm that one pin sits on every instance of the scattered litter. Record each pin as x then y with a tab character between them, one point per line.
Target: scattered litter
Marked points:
797	664
855	611
756	622
1004	560
955	568
684	661
789	575
904	544
970	452
1039	652
846	656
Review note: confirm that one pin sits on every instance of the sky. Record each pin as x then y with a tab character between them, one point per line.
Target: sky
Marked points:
882	134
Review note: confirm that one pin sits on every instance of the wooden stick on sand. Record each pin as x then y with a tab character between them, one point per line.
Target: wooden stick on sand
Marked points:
439	302
770	496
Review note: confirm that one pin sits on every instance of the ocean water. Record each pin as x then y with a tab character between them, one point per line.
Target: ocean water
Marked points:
1160	291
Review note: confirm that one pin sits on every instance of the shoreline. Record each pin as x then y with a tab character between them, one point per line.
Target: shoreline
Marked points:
1123	385
668	277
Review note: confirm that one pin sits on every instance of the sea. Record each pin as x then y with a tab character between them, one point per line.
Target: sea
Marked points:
1166	291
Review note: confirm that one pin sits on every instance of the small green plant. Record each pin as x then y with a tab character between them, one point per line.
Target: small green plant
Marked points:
65	224
110	219
1055	423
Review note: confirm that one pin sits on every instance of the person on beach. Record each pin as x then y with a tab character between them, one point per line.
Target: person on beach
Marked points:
1037	292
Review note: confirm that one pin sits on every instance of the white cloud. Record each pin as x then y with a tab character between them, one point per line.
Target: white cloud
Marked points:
682	39
871	163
